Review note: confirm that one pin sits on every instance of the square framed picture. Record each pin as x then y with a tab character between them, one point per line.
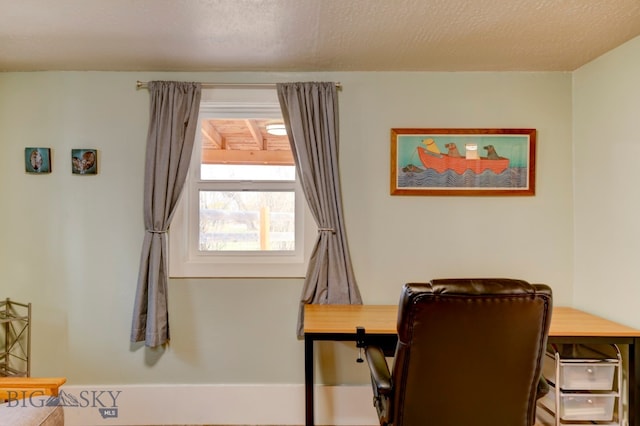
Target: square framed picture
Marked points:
84	161
37	160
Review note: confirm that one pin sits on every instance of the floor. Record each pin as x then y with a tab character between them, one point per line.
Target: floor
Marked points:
543	418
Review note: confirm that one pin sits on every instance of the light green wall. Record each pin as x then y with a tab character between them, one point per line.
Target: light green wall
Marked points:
606	99
71	244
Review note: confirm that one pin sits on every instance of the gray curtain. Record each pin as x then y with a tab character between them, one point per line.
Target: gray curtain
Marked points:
310	112
172	129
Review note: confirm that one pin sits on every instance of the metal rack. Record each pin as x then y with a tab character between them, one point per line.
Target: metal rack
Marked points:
15	338
585	384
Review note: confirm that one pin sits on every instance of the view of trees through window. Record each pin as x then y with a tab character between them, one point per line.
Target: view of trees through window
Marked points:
247	220
251	207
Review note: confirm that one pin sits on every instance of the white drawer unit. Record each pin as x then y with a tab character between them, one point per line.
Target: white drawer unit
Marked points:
582	407
585	384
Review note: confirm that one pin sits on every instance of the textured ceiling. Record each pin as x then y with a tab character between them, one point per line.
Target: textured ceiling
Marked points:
311	35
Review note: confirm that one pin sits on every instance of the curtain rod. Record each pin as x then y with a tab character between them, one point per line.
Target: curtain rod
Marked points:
143	85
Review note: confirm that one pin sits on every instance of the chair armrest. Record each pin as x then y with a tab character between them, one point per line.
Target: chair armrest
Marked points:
22	387
380	375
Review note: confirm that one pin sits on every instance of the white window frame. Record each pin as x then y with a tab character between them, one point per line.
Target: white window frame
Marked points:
185	258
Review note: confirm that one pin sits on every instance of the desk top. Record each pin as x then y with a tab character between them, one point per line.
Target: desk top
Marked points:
25	387
382	319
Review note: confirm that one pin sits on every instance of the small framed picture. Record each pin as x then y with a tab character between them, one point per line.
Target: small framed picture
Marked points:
37	160
84	161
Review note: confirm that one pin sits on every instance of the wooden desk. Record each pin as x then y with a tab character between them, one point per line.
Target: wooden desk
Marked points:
28	387
568	325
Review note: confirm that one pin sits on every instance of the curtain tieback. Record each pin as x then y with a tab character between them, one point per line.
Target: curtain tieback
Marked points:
153	231
333	231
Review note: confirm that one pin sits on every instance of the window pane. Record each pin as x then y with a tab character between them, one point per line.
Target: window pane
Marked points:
247	172
247	220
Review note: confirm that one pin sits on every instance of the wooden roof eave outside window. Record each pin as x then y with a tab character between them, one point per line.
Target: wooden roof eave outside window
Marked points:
236	156
243	141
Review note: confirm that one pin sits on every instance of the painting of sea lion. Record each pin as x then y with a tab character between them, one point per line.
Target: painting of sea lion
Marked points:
453	150
412	168
491	153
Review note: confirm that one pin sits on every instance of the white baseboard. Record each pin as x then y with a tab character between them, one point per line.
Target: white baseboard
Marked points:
216	405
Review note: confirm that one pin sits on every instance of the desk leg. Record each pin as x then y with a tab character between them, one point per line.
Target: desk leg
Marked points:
634	382
308	380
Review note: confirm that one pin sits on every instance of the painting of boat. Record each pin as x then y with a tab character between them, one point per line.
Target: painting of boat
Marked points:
463	161
440	162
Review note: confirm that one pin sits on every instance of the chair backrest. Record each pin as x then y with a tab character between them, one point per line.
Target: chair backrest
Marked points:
469	352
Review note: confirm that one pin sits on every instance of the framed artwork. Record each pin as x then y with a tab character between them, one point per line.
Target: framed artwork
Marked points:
463	161
84	161
37	160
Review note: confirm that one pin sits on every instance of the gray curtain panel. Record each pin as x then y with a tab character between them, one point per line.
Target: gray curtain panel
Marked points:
310	112
172	128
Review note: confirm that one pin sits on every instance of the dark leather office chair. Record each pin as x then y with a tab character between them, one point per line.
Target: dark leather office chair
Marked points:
469	353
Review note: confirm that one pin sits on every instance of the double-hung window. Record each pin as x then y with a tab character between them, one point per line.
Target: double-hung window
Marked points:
242	211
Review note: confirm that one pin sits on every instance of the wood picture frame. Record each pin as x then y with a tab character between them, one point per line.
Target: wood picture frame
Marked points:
489	162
